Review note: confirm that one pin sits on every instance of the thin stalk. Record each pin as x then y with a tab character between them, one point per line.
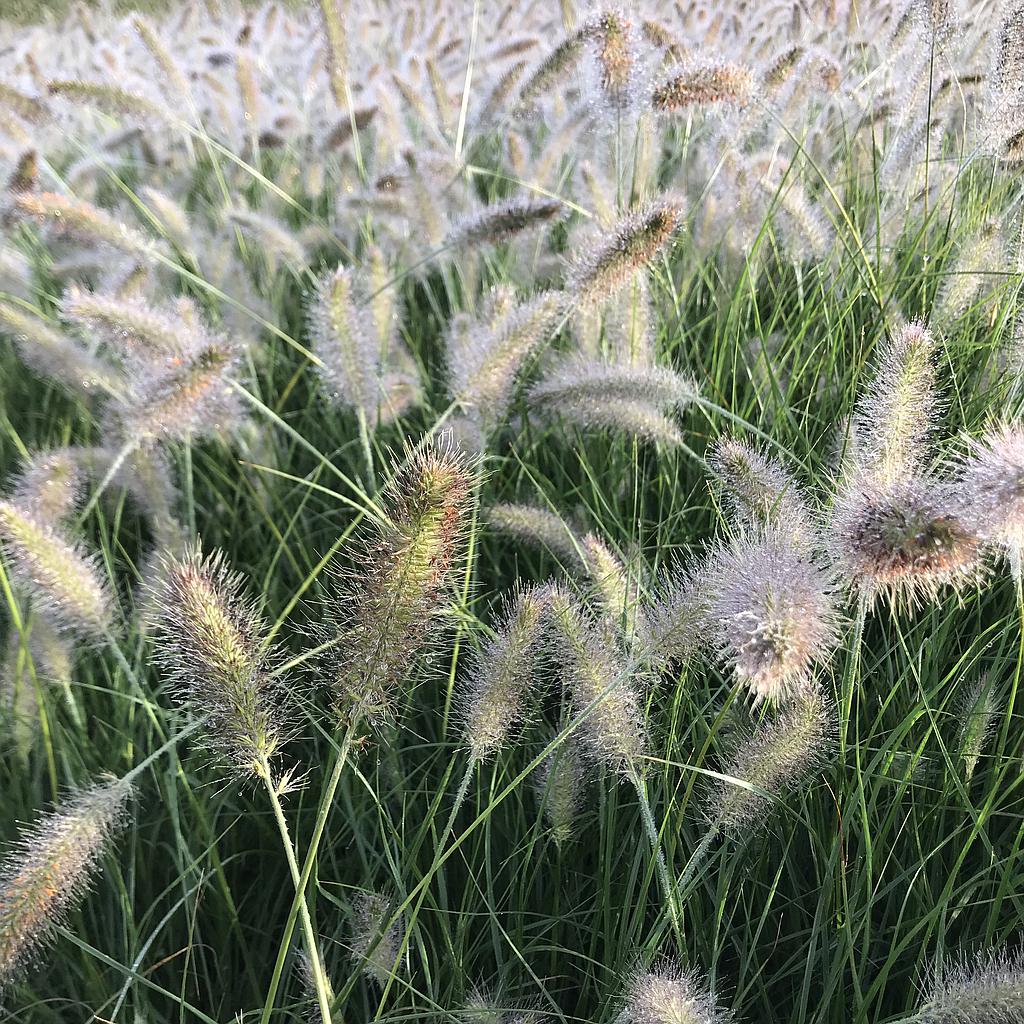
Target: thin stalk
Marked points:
320	982
323	812
651	827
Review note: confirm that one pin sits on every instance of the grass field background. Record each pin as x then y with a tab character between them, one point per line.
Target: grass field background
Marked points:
896	855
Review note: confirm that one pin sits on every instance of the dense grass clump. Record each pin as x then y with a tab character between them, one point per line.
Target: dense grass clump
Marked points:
512	512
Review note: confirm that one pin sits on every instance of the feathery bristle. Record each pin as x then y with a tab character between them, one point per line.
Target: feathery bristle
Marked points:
536	525
894	418
670	995
905	542
499	222
701	83
772	612
675	623
78	219
130	324
560	781
600	685
779	757
184	396
610	34
385	617
62	580
551	70
211	644
615	587
373	946
977	715
632	245
51	870
989	990
484	370
992	490
55	355
503	674
49	485
760	491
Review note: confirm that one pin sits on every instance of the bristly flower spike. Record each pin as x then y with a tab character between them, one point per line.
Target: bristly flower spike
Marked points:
63	581
779	757
989	990
52	868
992	490
631	246
498	222
375	945
670	995
760	491
772	613
502	674
600	685
384	617
704	83
211	644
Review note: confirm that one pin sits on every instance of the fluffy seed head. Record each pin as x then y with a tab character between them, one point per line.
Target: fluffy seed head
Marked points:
894	418
992	486
53	354
988	991
599	683
211	645
344	341
772	613
80	220
51	869
702	83
49	485
615	54
632	245
675	624
560	783
781	755
502	675
129	324
373	944
499	222
977	716
62	579
186	395
669	995
485	365
905	542
760	491
537	526
550	71
382	618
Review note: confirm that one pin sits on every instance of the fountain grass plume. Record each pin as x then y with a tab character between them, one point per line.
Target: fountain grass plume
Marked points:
538	526
780	756
375	946
55	355
676	618
503	674
772	614
211	645
992	490
383	617
498	222
600	685
49	485
895	415
988	989
760	491
63	581
668	994
189	395
903	543
703	82
559	783
630	246
50	870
